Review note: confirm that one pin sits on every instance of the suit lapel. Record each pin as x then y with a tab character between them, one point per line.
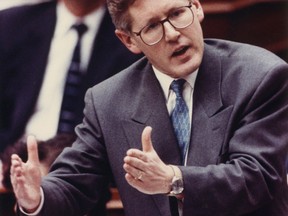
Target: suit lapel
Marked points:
209	114
150	110
208	83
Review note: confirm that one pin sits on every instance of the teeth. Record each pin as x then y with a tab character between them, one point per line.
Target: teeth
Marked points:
177	52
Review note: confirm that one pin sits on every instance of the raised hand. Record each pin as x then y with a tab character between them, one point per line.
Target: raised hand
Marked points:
26	177
145	170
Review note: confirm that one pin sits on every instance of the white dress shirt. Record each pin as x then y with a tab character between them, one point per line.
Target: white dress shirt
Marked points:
44	122
170	96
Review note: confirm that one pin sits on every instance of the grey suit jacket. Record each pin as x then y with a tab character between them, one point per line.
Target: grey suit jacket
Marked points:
238	141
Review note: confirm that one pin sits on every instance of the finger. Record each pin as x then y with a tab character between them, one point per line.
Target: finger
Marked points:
17	171
15	161
133	182
135	153
15	158
16	166
32	150
136	161
146	139
135	172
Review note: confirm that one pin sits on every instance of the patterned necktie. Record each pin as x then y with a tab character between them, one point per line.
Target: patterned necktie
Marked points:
180	117
72	93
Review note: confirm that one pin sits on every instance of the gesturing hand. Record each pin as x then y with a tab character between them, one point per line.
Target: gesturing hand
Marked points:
26	177
145	170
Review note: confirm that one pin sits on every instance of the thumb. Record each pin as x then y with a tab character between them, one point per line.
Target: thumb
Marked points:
32	150
147	145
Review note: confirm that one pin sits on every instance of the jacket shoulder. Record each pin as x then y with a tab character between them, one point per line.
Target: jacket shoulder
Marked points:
244	52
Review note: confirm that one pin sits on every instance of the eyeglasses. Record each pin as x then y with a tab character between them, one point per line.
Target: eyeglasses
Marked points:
179	18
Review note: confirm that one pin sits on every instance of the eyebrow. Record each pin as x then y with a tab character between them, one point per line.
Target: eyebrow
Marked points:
158	19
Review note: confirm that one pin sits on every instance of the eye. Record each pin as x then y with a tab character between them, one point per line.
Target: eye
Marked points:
177	13
151	27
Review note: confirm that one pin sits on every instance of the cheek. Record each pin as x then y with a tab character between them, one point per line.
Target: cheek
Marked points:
153	53
197	29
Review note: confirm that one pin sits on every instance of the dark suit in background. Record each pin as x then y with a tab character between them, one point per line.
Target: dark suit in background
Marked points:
25	36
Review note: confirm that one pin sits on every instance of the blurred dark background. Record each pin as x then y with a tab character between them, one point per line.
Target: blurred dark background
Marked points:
259	22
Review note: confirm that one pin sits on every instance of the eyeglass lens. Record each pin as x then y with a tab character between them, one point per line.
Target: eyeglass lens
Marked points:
180	18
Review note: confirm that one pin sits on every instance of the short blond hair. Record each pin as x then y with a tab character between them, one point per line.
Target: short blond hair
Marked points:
118	10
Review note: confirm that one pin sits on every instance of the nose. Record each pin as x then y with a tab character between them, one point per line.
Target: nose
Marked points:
171	34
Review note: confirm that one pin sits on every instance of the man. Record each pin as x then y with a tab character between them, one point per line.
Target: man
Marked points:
236	99
36	46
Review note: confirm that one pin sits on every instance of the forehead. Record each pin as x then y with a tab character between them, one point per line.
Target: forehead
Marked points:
147	9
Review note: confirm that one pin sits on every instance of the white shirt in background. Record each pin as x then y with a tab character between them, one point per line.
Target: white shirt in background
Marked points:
44	122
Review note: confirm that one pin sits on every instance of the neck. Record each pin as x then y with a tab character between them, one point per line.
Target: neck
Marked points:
81	8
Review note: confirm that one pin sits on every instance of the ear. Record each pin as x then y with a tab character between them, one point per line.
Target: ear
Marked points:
128	41
199	10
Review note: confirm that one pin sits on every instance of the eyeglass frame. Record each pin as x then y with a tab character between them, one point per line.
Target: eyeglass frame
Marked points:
162	23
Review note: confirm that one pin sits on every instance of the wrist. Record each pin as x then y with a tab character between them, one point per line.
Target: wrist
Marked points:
35	211
176	183
169	176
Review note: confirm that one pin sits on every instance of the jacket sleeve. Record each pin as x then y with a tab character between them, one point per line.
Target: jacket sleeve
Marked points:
79	177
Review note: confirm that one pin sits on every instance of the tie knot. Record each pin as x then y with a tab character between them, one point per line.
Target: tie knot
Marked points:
81	28
177	87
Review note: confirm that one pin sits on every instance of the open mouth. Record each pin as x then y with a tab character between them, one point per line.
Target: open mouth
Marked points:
180	52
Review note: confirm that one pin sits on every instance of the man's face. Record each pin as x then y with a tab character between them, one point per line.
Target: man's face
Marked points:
180	51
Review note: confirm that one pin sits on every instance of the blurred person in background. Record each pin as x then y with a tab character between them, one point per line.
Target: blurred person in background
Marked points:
37	45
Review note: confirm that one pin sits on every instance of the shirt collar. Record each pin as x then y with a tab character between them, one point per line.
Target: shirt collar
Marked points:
165	80
65	19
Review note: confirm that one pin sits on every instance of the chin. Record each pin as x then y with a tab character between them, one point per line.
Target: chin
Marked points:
187	69
192	65
180	73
